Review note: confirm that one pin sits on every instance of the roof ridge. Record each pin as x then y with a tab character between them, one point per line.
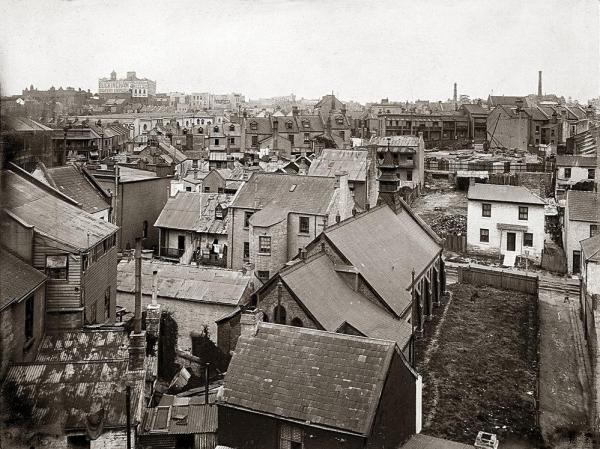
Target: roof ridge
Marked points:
287	269
352	219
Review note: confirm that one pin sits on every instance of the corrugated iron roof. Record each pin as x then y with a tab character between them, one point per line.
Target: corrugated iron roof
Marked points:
83	346
503	193
576	161
184	418
17	279
395	141
35	204
194	211
591	248
314	377
186	282
330	161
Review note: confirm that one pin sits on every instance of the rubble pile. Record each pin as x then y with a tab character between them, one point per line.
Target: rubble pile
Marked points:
449	224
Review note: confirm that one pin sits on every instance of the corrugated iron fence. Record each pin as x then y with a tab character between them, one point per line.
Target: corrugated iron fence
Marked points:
499	279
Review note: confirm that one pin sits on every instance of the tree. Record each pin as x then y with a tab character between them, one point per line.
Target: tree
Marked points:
167	346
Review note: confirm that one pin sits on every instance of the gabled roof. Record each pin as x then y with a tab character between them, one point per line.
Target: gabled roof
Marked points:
591	248
475	109
504	100
503	194
576	161
194	211
74	183
289	372
353	162
287	193
583	206
50	212
332	302
536	113
385	247
17	279
186	282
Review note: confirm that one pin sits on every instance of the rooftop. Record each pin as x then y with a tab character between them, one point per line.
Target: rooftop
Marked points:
344	393
186	282
180	416
503	193
193	211
420	441
24	124
395	141
591	248
583	206
330	161
576	161
17	279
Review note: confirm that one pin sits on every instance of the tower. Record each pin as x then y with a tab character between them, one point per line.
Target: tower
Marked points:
540	83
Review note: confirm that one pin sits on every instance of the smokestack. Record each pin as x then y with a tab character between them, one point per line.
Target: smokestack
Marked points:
540	83
455	93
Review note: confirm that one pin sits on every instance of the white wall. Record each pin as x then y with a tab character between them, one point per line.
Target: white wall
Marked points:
574	233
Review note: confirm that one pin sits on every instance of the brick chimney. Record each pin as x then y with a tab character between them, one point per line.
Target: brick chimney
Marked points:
249	320
153	309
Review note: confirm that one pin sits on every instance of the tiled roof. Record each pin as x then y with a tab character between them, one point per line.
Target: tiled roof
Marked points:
17	279
503	193
309	376
194	211
71	181
186	282
34	203
576	161
353	162
332	302
77	380
420	441
180	416
591	248
385	247
583	206
395	141
290	193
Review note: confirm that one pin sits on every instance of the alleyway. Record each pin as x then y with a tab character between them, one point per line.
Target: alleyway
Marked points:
564	366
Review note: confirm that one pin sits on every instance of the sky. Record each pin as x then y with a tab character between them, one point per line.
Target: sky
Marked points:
361	50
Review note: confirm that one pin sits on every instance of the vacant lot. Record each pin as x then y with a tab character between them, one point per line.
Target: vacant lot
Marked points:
444	210
479	365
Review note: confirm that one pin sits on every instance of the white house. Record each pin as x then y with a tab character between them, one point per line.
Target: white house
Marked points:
504	219
580	222
590	272
573	169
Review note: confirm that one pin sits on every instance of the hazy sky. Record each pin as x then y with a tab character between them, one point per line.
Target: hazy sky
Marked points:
362	50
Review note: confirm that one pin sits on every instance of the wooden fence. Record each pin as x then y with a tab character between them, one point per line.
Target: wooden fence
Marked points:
499	279
456	243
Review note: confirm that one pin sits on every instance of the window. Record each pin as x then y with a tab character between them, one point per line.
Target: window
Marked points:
527	239
57	267
537	129
523	212
343	134
297	322
486	210
254	140
484	235
107	304
216	141
291	138
247	216
306	137
291	437
593	230
576	262
246	251
409	175
567	172
552	132
288	124
262	275
216	129
231	140
231	128
591	173
279	315
304	225
188	189
264	244
207	189
29	312
253	126
219	212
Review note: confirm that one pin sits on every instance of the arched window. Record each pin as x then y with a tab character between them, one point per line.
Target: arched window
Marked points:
197	121
231	128
200	130
297	322
279	315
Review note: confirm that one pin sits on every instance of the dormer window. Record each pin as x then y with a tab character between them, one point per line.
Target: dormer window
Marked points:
339	120
288	124
305	123
231	128
219	212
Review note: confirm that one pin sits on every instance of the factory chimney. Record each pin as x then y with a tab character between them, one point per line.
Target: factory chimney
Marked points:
455	93
540	83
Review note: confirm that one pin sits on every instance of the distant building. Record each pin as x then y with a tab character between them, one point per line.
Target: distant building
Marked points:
26	142
580	221
274	215
138	89
507	220
284	388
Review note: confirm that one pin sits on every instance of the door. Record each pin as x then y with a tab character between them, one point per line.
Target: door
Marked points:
576	262
181	244
511	239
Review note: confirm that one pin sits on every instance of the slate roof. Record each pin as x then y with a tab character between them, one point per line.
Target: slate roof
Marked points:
194	211
536	113
275	195
332	302
420	441
77	380
583	206
591	248
71	181
17	279
40	206
187	415
576	161
313	377
353	162
395	141
503	193
186	282
385	247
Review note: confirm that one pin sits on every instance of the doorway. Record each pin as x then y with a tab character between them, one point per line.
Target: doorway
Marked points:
511	240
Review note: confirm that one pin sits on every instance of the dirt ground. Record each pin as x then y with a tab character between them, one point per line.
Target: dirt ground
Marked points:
445	210
478	359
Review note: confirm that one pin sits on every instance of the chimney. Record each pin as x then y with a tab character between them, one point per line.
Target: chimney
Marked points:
249	321
540	83
153	309
302	254
137	338
455	93
294	110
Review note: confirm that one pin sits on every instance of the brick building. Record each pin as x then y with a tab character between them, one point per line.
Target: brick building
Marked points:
284	389
274	215
75	250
